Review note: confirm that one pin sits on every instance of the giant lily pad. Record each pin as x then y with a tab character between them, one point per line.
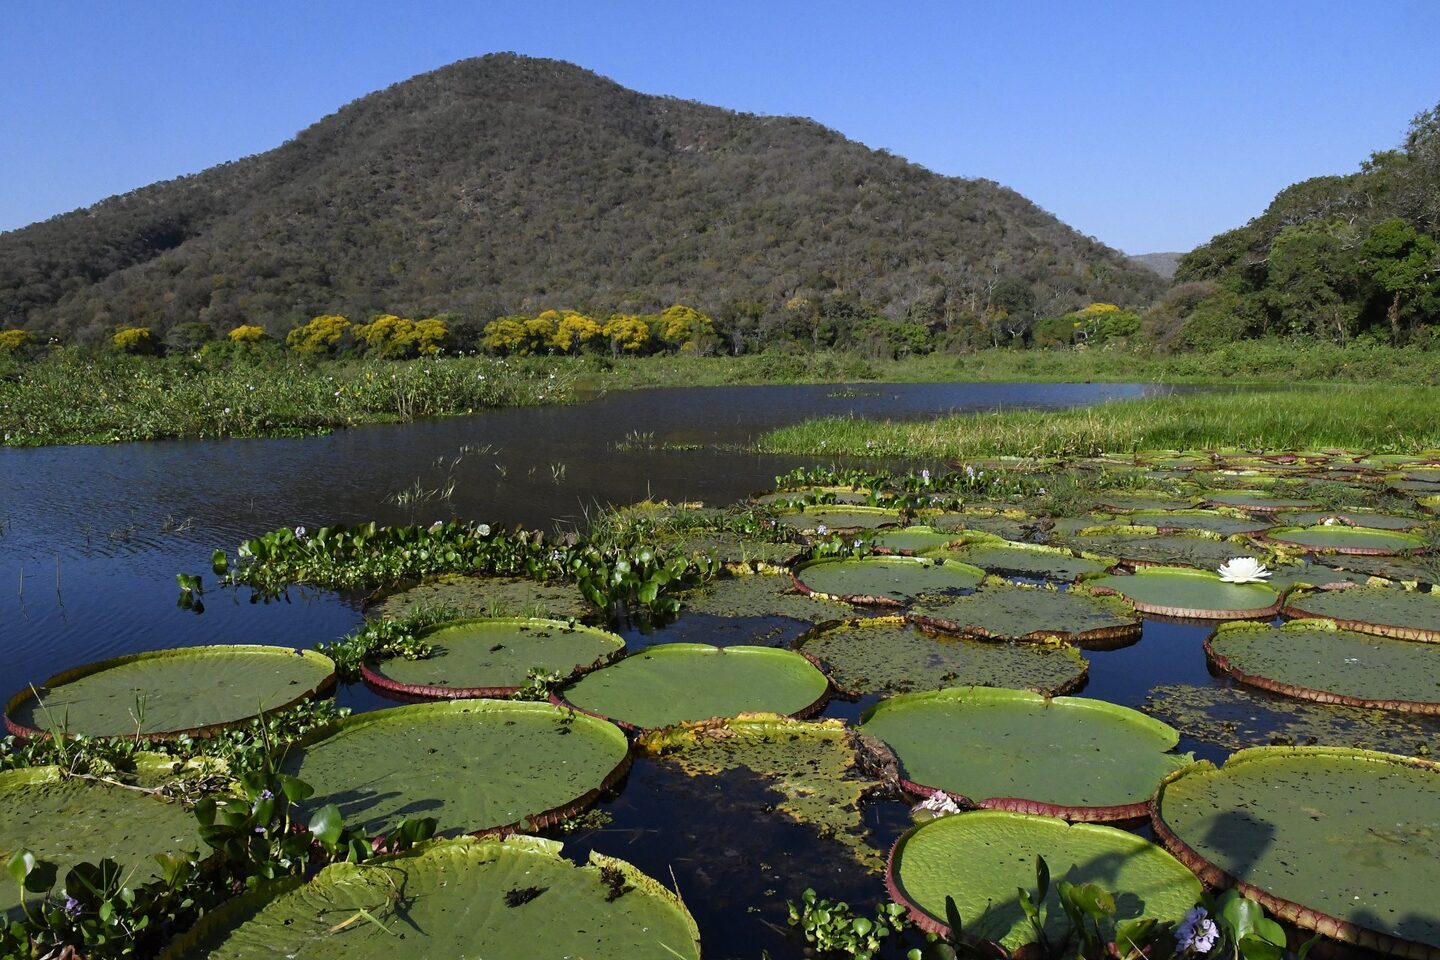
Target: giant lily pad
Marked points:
492	658
1332	839
980	859
1183	592
675	682
165	693
737	552
1405	614
489	597
1256	501
883	655
909	540
1213	521
516	897
1010	524
1354	518
1315	660
475	765
1027	559
811	519
1412	571
885	581
65	820
818	767
1146	546
758	609
1014	750
1339	538
1013	612
833	494
1315	575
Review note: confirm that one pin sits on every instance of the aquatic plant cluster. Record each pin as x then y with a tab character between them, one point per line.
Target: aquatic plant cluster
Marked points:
956	610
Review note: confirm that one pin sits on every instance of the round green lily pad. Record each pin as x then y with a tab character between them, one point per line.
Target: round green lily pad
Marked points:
736	551
517	897
1183	592
759	595
909	540
1012	612
1027	559
1010	524
1423	568
884	655
492	658
675	682
1354	518
1332	839
475	765
196	691
1146	546
981	857
489	597
1342	539
1015	750
885	581
811	519
1301	574
1387	611
1315	660
65	820
1257	501
1212	521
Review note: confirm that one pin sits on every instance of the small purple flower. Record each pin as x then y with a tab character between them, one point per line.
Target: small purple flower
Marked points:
266	794
72	907
925	475
969	472
822	529
1197	933
299	533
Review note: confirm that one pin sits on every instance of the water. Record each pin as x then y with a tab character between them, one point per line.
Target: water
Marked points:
92	537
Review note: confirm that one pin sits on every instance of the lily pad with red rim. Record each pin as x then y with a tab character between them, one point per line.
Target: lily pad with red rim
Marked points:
467	897
477	766
678	682
1009	558
1072	757
1339	538
1185	592
840	518
1213	521
1256	501
885	581
1003	611
1387	611
981	857
193	691
908	541
1331	839
492	658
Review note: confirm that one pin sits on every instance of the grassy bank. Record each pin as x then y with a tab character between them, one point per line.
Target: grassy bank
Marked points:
75	397
1365	417
72	396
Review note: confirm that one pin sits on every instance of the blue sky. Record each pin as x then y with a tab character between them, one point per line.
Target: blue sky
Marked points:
1150	125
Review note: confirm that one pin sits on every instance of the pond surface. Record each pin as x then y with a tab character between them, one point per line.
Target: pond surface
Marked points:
91	539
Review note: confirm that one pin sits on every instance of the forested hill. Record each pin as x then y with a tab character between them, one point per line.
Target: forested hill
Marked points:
1333	258
505	184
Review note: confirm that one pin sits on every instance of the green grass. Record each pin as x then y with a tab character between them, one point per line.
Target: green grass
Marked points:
1360	417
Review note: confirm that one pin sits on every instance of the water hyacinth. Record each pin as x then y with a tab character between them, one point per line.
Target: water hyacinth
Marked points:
936	805
1243	570
1196	934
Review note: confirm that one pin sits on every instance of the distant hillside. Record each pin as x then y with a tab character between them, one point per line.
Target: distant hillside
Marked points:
504	183
1333	257
1161	263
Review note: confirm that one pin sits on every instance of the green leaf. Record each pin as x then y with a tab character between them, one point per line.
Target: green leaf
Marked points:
20	864
327	824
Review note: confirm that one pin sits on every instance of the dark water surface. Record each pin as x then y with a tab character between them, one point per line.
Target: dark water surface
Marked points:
91	539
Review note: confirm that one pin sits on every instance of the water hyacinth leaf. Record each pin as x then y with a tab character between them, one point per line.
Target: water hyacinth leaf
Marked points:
1013	612
677	682
65	820
1183	592
1028	559
977	861
474	765
1010	749
1386	611
885	655
164	693
811	519
492	658
1344	539
817	767
1316	660
516	897
488	597
1278	823
885	581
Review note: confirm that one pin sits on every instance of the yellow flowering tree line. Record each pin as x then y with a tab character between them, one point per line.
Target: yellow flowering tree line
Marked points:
679	328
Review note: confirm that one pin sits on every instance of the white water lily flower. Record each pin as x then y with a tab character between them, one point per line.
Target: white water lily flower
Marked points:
1243	570
938	804
1330	521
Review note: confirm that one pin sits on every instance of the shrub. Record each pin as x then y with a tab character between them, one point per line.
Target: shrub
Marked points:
13	340
321	335
248	335
136	340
